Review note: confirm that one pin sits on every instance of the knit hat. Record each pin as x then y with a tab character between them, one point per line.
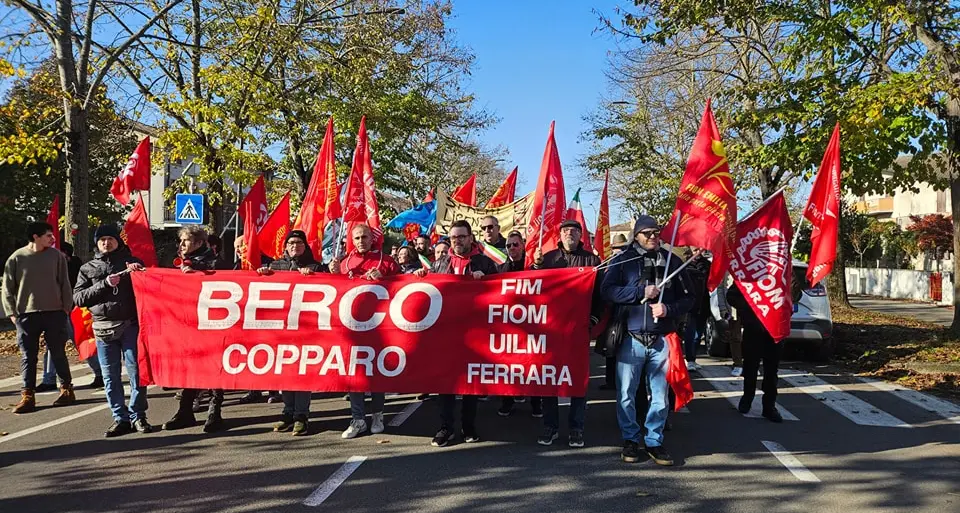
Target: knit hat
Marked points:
644	223
107	230
296	234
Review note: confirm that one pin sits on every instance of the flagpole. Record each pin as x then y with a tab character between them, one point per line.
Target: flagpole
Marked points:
336	243
672	276
543	220
236	226
673	240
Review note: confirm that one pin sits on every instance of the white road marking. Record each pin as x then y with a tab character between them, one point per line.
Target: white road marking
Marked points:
844	403
732	388
404	414
62	420
563	401
17	380
929	403
325	490
791	462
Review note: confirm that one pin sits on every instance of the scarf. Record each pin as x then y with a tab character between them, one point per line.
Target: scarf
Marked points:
459	264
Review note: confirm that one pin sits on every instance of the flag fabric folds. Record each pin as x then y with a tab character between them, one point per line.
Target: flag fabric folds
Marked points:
53	219
601	237
255	202
575	212
467	193
137	236
135	175
321	203
274	232
505	193
549	202
823	212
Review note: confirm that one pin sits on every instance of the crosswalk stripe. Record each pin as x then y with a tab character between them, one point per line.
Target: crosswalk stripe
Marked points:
732	388
791	462
844	403
326	489
929	403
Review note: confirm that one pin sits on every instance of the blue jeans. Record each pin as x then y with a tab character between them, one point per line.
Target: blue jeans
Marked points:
356	404
696	325
633	359
111	356
296	405
575	419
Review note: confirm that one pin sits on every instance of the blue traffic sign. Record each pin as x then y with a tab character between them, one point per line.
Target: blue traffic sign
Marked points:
189	208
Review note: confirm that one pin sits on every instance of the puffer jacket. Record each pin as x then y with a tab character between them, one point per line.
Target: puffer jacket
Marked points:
561	258
290	263
93	292
202	259
478	262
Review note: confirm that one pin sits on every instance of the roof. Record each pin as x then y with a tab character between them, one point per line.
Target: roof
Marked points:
142	128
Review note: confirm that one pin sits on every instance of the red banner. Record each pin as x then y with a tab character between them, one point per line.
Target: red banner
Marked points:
521	334
822	210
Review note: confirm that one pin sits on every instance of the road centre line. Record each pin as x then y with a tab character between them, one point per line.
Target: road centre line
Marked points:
326	489
791	462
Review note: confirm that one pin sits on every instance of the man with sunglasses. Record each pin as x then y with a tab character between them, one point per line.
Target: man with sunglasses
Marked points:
632	277
490	233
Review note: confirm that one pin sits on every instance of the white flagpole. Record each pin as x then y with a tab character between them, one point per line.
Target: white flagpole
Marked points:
673	240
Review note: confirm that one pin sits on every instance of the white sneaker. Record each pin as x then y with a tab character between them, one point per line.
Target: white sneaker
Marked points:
736	372
356	427
692	366
376	425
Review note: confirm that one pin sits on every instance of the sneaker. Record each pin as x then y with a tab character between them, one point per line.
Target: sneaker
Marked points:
356	427
575	439
630	452
119	428
180	420
736	372
66	397
520	400
254	396
142	426
45	387
745	405
548	436
691	366
300	427
97	383
376	424
274	398
442	438
660	456
285	425
470	436
505	410
773	415
536	411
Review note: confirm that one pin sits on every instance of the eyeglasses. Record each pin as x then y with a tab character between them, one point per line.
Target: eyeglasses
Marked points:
295	243
458	237
488	227
650	234
513	244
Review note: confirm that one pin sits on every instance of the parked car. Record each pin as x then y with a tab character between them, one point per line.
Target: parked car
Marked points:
811	326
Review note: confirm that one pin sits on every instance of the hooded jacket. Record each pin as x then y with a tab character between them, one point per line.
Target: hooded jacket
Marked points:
292	263
697	272
92	291
478	262
357	263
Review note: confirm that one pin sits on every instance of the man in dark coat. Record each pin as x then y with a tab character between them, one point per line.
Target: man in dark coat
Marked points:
104	288
698	271
569	253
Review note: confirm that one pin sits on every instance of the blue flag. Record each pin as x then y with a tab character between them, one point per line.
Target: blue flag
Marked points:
424	215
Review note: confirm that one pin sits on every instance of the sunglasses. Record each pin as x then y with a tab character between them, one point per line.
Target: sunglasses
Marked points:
513	244
650	233
488	227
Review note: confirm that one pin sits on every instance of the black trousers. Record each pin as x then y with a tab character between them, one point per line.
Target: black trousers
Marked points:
53	326
610	374
468	411
759	345
508	402
189	394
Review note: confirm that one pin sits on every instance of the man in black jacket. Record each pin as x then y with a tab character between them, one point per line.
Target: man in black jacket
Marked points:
465	258
570	253
698	271
104	288
757	345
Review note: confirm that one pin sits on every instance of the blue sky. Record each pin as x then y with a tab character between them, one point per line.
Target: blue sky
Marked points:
537	62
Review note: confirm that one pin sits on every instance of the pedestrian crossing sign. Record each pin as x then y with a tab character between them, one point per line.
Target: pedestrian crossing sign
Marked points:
189	209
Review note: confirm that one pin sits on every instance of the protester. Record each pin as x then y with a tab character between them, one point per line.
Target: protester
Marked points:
465	259
37	299
370	264
253	396
490	230
610	360
297	257
104	288
442	249
408	260
393	252
422	246
631	277
196	255
569	253
697	271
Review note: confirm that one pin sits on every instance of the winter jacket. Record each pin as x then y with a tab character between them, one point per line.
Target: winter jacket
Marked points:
478	262
745	314
93	292
624	284
697	272
202	259
358	264
561	258
510	266
411	268
290	263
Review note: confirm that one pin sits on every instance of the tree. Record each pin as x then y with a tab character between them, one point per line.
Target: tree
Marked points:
82	37
934	234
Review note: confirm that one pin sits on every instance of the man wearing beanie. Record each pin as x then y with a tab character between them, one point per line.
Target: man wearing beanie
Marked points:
632	277
104	287
569	253
37	299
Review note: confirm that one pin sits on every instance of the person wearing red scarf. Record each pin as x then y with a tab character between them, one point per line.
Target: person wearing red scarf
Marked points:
369	264
465	258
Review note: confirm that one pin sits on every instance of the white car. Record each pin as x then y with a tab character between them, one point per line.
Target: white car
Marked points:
811	326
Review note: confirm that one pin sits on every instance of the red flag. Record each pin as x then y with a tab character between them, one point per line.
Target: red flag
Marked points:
549	201
353	209
135	175
256	202
822	211
53	219
467	193
762	266
271	236
137	236
505	192
601	238
575	212
706	210
250	260
83	335
319	205
360	205
429	197
677	375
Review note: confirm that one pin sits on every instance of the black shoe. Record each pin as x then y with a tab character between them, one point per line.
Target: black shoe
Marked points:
745	404
548	436
575	439
660	456
505	410
470	436
536	411
97	383
142	426
180	420
772	415
442	438
423	397
483	398
251	397
119	428
213	423
630	452
198	403
45	387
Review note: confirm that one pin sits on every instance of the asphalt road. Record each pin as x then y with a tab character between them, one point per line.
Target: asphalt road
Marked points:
855	447
923	311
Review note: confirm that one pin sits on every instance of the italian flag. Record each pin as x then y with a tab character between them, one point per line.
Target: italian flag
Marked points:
497	255
575	212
